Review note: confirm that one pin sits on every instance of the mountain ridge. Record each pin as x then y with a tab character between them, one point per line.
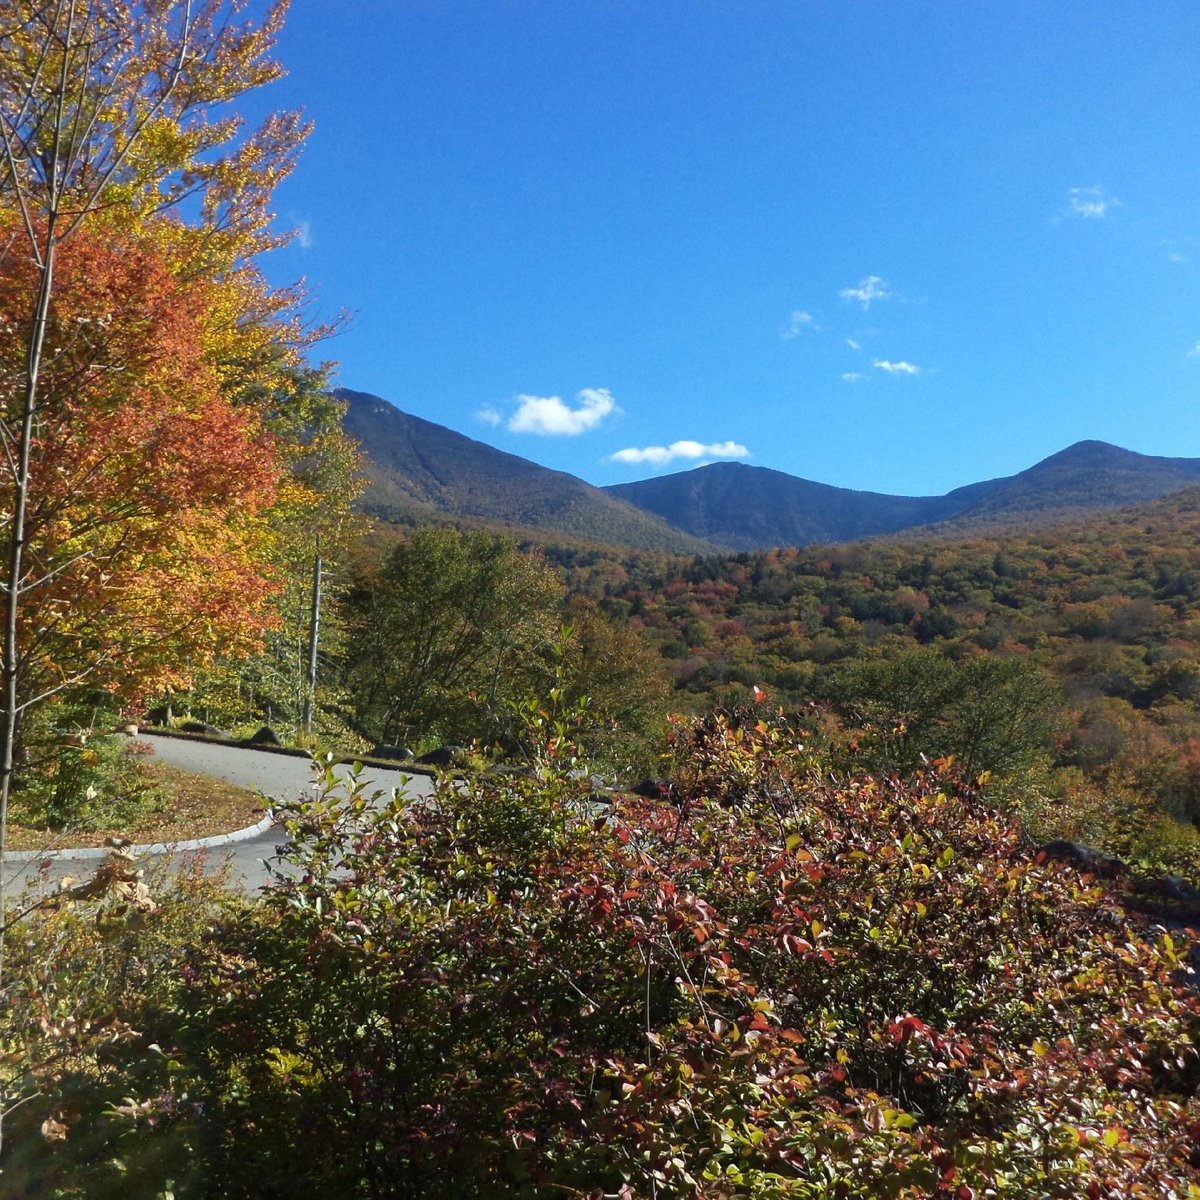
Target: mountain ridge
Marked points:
756	508
419	470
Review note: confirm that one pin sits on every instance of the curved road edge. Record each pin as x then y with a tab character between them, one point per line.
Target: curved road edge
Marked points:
148	848
244	853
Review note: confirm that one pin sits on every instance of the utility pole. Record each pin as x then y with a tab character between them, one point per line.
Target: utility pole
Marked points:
314	632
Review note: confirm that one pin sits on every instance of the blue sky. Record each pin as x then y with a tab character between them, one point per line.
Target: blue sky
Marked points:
890	245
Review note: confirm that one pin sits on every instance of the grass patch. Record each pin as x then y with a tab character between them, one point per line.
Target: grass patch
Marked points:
156	803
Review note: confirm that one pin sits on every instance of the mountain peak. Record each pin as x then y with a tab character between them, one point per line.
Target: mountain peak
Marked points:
753	508
1092	451
419	469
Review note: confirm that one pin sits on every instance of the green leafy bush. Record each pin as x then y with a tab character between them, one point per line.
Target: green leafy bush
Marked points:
83	779
784	986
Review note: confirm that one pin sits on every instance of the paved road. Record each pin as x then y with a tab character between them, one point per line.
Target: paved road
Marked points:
277	776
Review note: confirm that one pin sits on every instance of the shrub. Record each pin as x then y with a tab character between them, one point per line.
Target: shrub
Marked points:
94	1100
786	986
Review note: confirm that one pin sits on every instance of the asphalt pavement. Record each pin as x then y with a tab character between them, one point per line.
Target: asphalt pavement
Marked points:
278	776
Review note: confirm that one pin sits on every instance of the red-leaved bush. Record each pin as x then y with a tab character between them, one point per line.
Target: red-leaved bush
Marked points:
783	985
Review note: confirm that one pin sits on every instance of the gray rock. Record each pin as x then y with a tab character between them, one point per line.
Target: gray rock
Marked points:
399	753
513	770
443	756
201	727
1175	887
1086	858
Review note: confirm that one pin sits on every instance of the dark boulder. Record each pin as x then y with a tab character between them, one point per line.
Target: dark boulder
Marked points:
654	789
202	727
1086	858
159	716
443	756
1175	887
398	753
266	736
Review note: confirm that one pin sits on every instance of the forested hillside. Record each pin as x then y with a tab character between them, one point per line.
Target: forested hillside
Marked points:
1100	617
419	471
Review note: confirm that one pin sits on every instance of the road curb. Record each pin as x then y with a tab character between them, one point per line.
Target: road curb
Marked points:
408	766
86	853
216	840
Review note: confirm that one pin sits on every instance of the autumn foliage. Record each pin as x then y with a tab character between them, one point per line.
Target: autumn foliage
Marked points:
148	482
785	986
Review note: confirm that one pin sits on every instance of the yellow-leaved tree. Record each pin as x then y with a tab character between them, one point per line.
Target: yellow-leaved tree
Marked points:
155	415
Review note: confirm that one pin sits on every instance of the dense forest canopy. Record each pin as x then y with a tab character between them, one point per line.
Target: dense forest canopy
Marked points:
1101	613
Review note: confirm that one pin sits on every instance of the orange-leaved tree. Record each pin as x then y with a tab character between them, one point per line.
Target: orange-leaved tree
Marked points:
113	112
119	109
144	525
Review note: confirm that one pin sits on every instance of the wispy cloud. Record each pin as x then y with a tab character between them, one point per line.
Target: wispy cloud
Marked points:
869	290
1090	202
896	368
303	234
853	376
1194	352
853	344
550	416
660	455
798	323
488	415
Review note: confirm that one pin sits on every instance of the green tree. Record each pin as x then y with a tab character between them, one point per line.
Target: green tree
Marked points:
447	628
610	675
992	714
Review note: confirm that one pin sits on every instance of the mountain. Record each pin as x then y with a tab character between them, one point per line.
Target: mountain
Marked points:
419	470
1086	475
754	508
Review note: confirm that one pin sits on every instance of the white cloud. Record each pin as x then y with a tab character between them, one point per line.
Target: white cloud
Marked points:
1194	352
549	416
853	376
1090	202
870	289
488	415
660	455
853	344
896	368
303	234
800	321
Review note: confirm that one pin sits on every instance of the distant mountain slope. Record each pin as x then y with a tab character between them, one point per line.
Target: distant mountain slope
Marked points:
1086	475
416	468
754	508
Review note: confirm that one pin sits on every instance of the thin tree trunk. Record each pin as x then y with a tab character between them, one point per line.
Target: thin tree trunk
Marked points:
314	632
15	568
